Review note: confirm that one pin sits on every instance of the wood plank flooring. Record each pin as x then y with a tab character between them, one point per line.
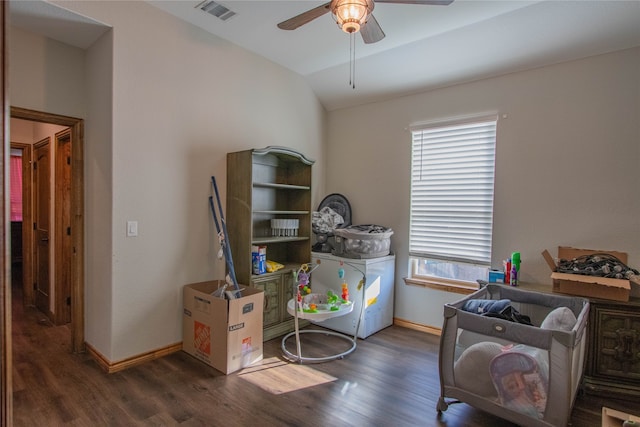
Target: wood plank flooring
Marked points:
390	380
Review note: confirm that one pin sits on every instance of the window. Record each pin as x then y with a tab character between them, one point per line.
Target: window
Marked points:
16	185
452	180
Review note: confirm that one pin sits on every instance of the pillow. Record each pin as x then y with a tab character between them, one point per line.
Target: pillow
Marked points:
471	371
561	318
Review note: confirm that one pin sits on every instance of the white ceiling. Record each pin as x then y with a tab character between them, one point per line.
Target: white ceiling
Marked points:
425	46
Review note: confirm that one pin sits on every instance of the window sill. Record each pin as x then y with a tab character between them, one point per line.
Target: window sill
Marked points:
441	285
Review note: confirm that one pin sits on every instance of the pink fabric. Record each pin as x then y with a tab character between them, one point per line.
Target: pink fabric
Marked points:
16	188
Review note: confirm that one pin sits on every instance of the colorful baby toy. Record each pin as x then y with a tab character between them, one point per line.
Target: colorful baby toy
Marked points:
345	287
301	277
315	303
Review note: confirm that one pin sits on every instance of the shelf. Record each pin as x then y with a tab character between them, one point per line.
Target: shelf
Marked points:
282	212
287	269
262	185
281	186
263	240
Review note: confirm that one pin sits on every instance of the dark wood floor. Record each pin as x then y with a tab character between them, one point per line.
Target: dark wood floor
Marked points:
390	380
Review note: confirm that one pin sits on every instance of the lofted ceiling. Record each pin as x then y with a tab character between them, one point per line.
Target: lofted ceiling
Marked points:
425	47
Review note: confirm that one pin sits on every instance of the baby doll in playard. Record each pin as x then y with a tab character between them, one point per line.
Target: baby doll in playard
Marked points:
521	385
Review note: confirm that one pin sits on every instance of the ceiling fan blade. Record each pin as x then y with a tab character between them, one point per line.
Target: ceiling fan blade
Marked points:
426	2
371	31
305	17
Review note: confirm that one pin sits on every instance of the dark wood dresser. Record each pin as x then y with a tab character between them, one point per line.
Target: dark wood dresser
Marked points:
613	354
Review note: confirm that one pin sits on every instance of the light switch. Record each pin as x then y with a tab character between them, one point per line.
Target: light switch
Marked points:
132	228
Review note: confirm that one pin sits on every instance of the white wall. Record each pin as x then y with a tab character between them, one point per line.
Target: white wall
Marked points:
568	150
46	74
98	191
179	100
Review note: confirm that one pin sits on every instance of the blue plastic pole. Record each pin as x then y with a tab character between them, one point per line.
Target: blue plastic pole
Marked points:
222	226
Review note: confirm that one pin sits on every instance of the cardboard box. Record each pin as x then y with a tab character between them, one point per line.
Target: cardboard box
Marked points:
613	418
587	286
225	334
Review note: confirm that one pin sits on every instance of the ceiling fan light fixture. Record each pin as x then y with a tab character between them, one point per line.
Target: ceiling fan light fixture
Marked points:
351	15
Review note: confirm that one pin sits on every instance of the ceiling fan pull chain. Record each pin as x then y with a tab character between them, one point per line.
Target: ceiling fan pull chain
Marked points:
353	38
352	60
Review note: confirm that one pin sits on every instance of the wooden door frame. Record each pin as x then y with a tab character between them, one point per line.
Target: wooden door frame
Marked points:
63	248
77	214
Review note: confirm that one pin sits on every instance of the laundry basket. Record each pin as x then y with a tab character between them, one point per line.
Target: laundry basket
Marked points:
555	356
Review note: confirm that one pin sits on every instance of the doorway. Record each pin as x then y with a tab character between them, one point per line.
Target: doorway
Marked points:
61	298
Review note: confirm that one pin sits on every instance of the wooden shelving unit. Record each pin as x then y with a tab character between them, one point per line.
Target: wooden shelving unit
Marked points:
265	184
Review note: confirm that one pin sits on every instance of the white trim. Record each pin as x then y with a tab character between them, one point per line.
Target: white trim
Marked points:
453	121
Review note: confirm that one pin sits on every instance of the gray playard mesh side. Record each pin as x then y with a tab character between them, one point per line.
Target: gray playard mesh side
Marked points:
558	355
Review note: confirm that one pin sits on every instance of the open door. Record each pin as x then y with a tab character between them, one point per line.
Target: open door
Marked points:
42	225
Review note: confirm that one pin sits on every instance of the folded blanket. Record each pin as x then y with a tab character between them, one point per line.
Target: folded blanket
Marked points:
500	309
482	306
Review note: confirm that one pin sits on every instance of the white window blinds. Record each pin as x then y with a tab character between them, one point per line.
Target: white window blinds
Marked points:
452	180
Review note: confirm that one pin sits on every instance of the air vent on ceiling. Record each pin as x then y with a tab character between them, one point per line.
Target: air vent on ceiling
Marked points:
216	9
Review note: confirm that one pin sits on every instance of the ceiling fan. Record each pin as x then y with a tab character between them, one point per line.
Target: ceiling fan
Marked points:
353	16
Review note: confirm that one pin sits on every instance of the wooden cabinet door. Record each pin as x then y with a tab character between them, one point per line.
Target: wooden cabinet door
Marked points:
272	305
287	294
617	344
